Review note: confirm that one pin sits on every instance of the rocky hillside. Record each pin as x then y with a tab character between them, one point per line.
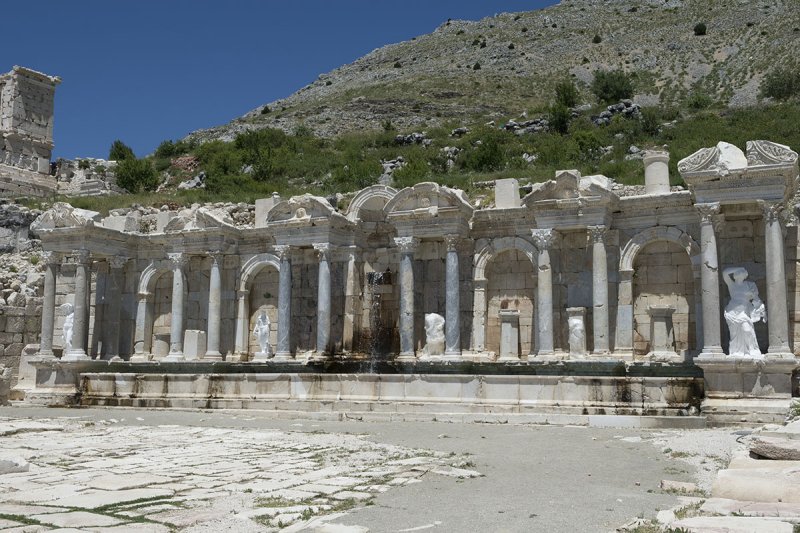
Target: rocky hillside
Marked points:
507	64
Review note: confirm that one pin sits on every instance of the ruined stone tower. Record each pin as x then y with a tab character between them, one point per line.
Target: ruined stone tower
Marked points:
26	124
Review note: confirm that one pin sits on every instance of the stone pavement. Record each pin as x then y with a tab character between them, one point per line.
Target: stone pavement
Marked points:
189	470
85	476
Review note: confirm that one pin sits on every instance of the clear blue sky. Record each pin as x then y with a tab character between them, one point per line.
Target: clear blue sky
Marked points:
148	70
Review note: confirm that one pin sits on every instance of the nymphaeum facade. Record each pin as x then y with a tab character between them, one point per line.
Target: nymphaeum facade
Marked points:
356	284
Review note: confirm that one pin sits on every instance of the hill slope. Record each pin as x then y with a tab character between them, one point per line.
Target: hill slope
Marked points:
503	65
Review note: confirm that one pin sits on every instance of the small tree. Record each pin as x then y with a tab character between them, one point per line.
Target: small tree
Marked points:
136	175
560	116
781	83
700	28
566	93
612	86
120	151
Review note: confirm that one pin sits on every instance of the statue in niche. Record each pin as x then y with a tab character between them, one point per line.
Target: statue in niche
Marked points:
577	336
434	334
261	333
744	309
68	327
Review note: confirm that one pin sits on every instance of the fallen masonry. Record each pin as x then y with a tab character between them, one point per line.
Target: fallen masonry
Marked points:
574	300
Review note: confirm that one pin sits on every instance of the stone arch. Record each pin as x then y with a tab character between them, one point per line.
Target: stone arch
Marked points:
366	198
429	195
625	318
145	313
659	233
150	275
253	266
482	258
250	269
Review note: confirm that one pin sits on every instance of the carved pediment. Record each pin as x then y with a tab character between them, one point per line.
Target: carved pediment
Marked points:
769	153
569	185
427	199
721	160
63	215
301	209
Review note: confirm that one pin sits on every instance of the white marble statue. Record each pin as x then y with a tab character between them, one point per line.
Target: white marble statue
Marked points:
577	336
744	309
261	333
434	334
67	328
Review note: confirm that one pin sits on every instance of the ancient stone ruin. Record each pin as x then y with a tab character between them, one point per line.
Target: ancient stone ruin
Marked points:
26	126
572	299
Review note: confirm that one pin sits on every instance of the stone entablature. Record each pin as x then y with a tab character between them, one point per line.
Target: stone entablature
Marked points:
358	284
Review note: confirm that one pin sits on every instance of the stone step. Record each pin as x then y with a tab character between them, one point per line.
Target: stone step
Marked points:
780	484
727	507
781	449
733	524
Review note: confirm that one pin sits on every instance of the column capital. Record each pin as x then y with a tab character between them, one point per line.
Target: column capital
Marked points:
142	295
215	255
407	245
597	234
282	251
451	241
242	293
771	211
543	238
323	250
118	261
178	259
51	258
707	211
81	257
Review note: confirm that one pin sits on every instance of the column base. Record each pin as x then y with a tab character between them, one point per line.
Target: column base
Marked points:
508	359
46	355
782	352
174	357
407	357
212	356
76	355
454	355
260	356
139	358
664	357
712	352
319	357
283	356
545	353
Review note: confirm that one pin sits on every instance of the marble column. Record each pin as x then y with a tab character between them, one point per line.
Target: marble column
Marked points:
452	324
323	300
52	263
350	301
709	280
407	245
242	348
284	345
599	290
114	291
479	315
178	261
777	303
80	316
544	238
140	333
214	322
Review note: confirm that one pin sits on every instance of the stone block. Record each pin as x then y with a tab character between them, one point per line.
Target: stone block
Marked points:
121	223
263	207
506	194
194	344
163	218
776	448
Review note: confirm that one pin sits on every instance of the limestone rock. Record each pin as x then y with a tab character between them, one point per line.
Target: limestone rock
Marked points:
733	524
776	448
759	484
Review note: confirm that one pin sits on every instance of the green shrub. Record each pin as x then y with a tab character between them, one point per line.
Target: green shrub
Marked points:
566	93
597	39
265	110
612	86
84	164
651	120
700	28
476	66
589	144
136	175
699	99
120	151
782	83
486	156
165	149
559	118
